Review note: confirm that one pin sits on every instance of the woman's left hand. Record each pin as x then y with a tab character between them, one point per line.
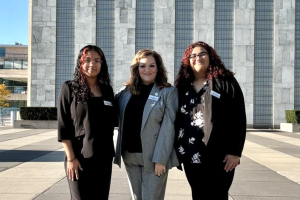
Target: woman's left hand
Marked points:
231	162
159	169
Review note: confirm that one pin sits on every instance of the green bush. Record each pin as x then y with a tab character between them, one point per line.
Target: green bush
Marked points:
38	113
292	116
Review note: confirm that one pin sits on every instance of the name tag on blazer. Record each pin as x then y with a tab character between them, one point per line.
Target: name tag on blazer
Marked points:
107	103
153	98
215	94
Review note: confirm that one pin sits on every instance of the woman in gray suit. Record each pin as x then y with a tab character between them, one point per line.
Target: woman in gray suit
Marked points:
147	106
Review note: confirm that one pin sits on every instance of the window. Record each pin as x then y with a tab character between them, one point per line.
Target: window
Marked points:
184	29
263	63
8	64
105	31
224	30
2	52
144	24
65	24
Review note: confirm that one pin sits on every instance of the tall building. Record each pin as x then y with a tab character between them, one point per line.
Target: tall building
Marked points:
13	73
256	39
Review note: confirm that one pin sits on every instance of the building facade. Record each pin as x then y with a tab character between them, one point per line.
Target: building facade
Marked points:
13	73
256	39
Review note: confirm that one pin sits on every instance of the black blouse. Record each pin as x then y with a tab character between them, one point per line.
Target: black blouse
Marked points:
133	116
191	146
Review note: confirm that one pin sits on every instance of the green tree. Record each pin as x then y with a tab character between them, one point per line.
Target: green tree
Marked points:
4	95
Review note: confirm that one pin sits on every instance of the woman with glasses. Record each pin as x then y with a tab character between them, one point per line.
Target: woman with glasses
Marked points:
211	122
86	121
147	105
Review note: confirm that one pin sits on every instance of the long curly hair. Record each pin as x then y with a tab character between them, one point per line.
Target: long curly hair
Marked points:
135	81
79	85
216	68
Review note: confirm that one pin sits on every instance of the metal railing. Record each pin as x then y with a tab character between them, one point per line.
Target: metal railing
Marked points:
17	89
13	55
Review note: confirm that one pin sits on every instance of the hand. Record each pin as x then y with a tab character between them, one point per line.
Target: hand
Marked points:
231	162
159	169
72	168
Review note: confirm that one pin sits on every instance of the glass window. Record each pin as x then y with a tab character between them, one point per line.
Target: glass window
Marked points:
184	29
105	31
65	25
2	52
224	10
18	64
263	63
8	64
144	31
1	66
25	64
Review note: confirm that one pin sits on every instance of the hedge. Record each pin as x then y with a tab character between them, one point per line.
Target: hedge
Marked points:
292	116
38	113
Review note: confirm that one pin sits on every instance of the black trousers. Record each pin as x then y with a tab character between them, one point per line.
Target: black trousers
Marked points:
208	181
94	180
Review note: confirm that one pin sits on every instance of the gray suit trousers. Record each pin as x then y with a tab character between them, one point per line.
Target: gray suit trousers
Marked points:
143	185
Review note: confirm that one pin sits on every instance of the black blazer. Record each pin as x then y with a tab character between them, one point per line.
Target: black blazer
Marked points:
225	119
74	122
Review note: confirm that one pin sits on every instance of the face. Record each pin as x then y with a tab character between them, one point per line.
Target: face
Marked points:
199	60
92	64
147	70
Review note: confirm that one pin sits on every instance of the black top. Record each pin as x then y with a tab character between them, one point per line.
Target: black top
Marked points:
133	116
191	121
89	125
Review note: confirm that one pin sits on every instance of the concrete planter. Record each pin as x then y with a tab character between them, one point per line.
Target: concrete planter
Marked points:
289	127
36	124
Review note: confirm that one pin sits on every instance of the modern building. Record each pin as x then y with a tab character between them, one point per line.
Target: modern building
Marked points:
257	39
13	72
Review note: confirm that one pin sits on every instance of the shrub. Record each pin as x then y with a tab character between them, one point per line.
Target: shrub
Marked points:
292	116
38	113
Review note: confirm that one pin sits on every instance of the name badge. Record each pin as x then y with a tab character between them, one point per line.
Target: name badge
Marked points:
215	94
153	97
107	103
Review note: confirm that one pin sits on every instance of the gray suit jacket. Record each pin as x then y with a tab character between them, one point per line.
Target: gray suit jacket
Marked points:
157	130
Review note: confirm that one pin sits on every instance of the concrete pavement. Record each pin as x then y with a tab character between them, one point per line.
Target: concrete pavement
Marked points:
31	167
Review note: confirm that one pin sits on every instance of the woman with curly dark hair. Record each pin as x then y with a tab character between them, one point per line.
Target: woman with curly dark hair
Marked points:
86	121
211	122
147	105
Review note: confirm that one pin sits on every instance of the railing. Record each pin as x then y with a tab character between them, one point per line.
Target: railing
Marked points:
13	55
17	89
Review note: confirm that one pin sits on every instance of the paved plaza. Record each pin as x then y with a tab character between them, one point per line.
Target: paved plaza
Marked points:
31	167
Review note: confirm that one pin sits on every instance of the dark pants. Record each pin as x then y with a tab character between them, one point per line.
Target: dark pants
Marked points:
94	180
208	182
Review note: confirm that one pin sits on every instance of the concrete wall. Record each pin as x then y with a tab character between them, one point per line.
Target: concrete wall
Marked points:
43	53
124	40
284	56
243	58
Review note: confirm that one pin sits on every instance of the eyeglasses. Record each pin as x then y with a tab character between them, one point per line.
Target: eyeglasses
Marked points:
95	62
201	55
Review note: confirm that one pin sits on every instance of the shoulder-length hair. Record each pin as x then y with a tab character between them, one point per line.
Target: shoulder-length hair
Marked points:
79	85
135	81
216	68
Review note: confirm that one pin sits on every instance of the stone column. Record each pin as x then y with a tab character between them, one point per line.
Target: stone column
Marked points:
85	24
284	54
124	40
164	34
204	15
243	58
42	45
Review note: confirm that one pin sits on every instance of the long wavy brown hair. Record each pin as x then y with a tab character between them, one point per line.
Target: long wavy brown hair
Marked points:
79	85
135	81
216	68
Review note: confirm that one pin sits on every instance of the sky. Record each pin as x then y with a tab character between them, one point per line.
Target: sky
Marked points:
14	21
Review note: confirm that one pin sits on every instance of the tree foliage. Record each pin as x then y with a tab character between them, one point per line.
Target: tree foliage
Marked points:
4	95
